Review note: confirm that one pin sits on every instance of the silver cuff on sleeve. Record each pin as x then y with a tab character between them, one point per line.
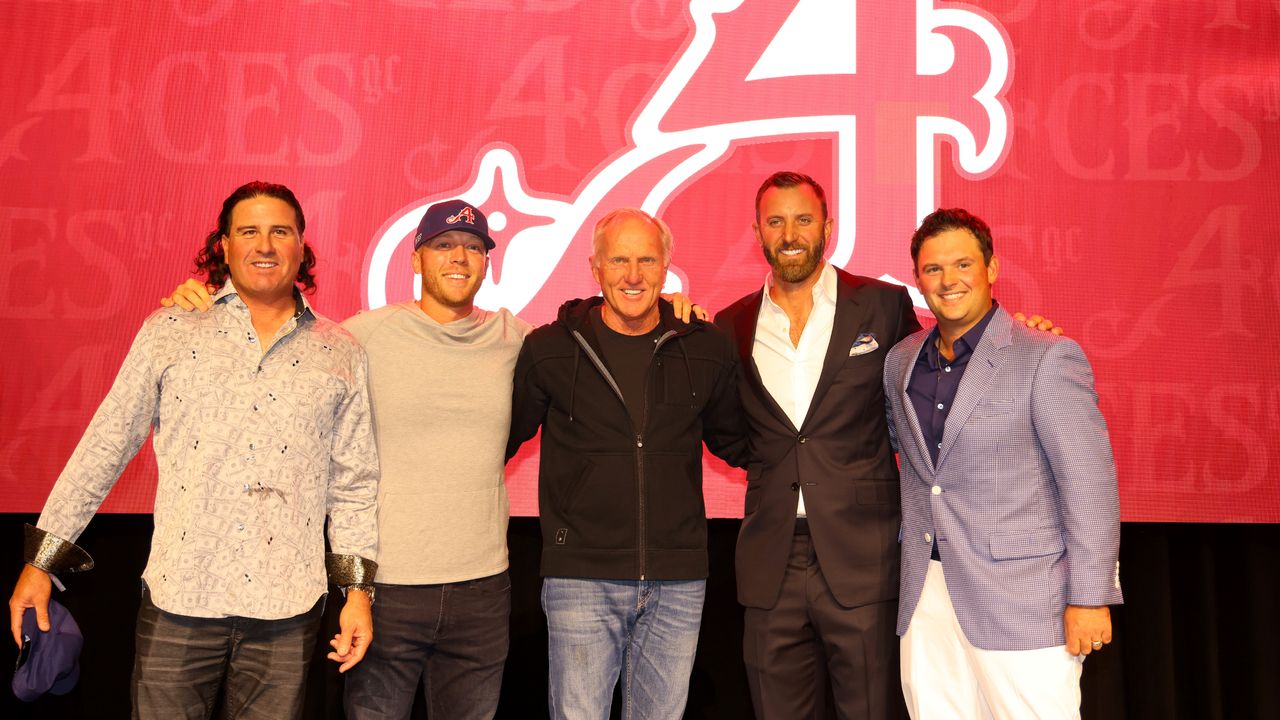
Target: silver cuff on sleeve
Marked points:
347	570
52	554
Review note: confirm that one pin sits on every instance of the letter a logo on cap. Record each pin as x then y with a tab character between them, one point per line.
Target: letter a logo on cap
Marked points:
466	214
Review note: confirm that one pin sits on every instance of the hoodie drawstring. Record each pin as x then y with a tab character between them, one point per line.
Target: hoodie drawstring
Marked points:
688	371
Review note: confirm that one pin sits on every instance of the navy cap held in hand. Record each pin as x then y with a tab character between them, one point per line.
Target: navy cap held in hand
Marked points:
49	661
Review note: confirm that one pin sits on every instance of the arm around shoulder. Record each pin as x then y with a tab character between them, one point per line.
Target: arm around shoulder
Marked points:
529	402
724	424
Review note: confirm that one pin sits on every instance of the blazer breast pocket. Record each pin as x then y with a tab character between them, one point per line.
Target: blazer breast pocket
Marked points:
859	369
994	407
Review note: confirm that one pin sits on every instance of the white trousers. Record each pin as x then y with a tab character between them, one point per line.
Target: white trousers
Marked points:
946	678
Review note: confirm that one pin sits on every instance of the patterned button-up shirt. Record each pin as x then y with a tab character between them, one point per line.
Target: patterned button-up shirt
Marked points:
253	450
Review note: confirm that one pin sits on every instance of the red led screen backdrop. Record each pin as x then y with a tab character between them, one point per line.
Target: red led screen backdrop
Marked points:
1126	155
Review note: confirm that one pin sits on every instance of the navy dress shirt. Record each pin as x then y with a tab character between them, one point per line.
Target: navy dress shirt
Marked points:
934	382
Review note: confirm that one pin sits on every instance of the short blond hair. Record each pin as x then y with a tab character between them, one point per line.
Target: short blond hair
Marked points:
615	217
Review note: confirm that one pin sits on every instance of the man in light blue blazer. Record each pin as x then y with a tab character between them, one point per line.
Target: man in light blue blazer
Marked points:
1010	514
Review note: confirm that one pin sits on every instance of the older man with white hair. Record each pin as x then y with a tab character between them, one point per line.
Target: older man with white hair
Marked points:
625	394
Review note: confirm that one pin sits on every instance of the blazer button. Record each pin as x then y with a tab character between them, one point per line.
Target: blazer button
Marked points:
803	439
795	486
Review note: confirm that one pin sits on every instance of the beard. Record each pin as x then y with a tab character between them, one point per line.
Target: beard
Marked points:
449	297
801	267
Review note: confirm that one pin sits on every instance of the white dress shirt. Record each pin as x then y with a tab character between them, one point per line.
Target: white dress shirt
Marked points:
790	372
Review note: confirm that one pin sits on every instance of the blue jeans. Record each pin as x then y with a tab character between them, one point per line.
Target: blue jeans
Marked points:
259	665
451	638
644	630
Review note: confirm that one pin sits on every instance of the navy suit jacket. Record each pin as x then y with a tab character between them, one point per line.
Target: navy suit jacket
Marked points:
1023	499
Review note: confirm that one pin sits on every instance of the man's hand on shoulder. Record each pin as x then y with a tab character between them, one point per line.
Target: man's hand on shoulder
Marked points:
191	295
1038	322
32	591
684	307
1088	629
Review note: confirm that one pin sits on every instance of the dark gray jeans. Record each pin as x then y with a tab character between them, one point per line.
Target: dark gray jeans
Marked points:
260	665
450	638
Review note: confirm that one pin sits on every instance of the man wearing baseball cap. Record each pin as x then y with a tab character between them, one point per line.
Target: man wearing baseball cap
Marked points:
440	380
440	388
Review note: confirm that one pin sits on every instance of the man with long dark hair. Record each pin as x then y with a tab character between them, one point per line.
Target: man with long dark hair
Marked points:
262	429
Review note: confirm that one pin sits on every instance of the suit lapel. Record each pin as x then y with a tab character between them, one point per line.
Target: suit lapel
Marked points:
902	382
983	368
849	321
744	330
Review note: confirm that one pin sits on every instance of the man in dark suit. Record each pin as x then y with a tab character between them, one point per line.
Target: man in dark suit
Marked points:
817	556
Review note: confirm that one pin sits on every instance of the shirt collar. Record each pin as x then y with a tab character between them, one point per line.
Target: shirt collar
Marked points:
825	288
301	306
964	345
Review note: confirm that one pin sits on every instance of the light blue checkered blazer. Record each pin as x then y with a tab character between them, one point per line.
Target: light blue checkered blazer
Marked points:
1023	500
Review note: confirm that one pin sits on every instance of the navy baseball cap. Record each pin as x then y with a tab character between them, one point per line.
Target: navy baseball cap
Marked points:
49	661
453	215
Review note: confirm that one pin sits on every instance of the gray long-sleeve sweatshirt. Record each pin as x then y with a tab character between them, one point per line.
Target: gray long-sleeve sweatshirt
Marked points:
441	400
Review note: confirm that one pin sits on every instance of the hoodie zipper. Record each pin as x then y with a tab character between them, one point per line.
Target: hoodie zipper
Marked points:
639	435
644	422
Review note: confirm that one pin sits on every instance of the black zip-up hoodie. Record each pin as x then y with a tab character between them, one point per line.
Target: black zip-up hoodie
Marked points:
619	502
